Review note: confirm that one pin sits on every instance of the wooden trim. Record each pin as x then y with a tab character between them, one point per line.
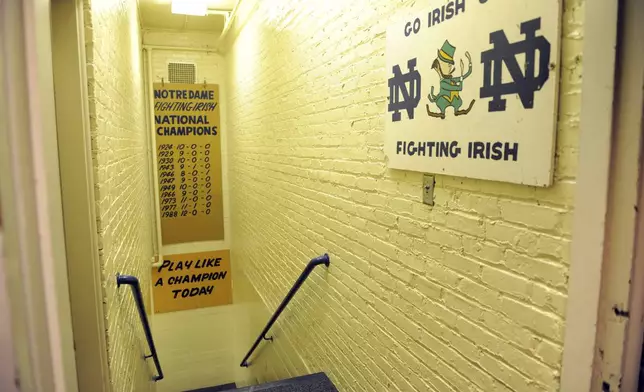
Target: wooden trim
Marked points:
7	361
630	114
79	202
35	266
600	32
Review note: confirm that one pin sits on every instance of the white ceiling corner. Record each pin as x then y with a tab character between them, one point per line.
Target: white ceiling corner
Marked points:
156	14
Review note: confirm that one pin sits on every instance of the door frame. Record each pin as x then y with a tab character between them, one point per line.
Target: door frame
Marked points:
632	355
591	200
34	248
7	362
78	198
603	340
631	115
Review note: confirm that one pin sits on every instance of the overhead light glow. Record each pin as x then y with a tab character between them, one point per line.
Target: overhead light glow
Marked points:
190	7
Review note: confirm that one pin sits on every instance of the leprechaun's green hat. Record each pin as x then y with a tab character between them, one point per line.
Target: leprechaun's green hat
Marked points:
446	53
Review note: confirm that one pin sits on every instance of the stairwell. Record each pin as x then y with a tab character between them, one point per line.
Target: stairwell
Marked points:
318	382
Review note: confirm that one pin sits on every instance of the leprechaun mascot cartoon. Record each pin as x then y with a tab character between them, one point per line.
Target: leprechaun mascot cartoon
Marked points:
450	86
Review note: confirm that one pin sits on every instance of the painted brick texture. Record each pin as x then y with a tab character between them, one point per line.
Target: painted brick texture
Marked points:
469	295
119	151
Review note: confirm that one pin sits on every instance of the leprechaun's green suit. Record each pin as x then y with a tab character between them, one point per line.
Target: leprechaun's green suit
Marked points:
450	87
449	92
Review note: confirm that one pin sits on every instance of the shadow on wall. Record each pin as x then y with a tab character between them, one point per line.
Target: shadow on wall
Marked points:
296	316
281	358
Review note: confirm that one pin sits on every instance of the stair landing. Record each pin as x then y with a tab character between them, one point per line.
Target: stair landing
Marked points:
318	382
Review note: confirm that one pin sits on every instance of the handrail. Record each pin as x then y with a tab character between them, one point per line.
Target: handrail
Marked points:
133	282
324	259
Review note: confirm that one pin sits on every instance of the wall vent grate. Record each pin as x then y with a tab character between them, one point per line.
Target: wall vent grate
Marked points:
182	73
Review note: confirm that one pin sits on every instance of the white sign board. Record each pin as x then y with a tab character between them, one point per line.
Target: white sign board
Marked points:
473	90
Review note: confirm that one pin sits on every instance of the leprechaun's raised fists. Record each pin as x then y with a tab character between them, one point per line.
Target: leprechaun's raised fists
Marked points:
469	68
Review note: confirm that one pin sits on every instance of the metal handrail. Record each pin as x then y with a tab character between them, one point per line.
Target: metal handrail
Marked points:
324	259
133	282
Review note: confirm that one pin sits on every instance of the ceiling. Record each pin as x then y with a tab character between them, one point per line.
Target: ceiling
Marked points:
156	14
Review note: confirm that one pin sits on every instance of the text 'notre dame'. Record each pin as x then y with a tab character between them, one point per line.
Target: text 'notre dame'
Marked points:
184	125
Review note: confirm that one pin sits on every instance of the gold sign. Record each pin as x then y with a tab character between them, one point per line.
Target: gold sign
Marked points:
190	281
188	140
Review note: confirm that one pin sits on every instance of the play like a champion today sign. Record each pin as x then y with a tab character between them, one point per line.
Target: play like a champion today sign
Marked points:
473	88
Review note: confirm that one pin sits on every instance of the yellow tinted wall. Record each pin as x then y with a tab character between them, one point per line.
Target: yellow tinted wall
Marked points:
467	295
121	175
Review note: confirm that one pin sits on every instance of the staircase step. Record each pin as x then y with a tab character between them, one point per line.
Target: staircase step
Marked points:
318	382
219	388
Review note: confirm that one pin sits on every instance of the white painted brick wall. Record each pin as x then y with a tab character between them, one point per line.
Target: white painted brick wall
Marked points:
182	38
466	296
119	152
209	65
